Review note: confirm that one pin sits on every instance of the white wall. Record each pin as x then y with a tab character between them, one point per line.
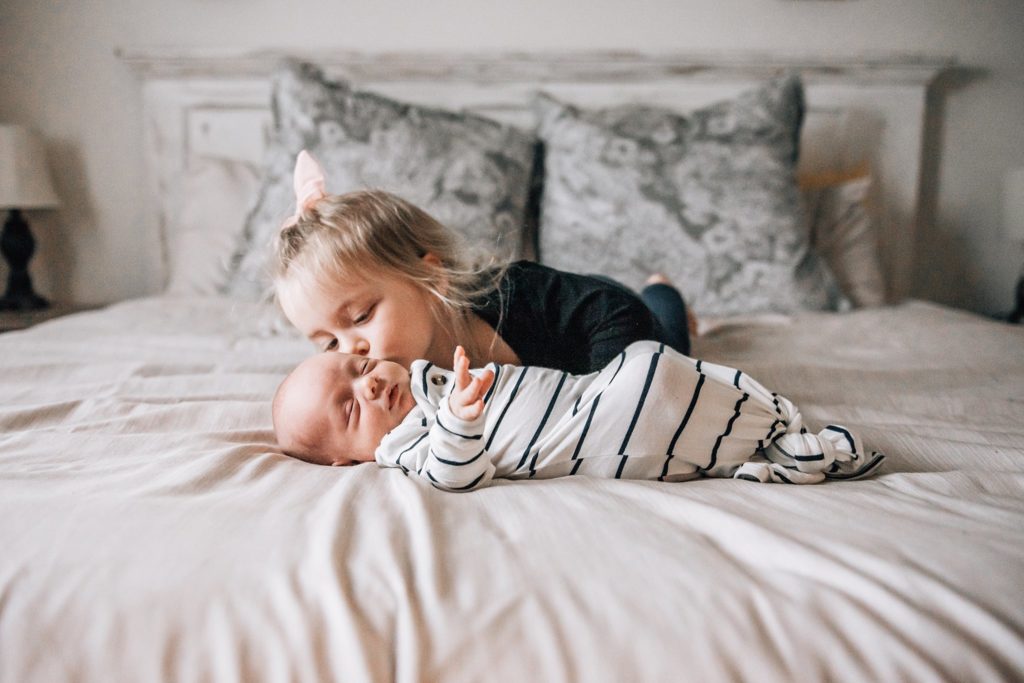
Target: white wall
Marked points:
60	75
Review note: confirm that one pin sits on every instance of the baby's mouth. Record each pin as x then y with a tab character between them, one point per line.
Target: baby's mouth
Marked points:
392	397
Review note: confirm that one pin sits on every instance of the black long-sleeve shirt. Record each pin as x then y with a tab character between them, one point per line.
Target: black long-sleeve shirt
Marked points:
566	321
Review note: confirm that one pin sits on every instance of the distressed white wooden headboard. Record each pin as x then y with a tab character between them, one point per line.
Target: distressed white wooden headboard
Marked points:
860	111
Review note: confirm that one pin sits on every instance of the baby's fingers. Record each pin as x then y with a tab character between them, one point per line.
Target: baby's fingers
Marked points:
485	381
473	410
460	364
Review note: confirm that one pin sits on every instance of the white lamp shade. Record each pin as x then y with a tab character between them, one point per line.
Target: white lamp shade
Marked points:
24	178
1013	204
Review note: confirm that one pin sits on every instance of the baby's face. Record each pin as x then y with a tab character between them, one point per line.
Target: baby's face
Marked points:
338	407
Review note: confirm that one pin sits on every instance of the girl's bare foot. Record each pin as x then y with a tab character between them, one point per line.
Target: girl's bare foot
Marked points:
658	279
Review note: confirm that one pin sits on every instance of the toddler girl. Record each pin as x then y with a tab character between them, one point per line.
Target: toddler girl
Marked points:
371	274
651	413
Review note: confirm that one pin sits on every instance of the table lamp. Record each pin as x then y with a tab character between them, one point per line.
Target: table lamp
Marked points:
24	184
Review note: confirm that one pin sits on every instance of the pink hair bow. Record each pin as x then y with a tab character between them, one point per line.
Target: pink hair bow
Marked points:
309	185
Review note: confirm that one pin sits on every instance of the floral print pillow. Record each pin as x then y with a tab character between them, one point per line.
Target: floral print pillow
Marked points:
708	198
469	172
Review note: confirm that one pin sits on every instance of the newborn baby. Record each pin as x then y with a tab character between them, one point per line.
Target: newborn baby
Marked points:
651	413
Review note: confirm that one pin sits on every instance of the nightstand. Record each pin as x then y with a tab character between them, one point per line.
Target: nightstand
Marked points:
20	320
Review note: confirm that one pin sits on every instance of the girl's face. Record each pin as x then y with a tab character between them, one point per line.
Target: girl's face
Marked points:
385	317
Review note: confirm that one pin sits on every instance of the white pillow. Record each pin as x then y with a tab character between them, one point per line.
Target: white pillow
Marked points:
842	232
216	196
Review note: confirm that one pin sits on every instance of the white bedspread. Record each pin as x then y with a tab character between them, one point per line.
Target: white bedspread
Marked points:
149	529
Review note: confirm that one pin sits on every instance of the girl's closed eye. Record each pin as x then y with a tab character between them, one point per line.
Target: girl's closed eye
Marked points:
365	315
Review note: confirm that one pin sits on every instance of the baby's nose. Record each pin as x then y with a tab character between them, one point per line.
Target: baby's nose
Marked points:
373	386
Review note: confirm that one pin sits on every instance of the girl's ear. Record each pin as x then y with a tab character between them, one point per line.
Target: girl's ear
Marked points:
442	275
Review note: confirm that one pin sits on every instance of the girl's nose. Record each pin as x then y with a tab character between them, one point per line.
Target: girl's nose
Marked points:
360	347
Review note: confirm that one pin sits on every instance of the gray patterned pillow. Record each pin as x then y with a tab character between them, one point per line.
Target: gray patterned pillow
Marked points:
708	197
469	172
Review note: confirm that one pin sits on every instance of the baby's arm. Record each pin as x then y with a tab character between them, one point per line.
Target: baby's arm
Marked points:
456	460
467	398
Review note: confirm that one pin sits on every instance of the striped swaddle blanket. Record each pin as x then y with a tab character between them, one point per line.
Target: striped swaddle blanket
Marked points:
652	413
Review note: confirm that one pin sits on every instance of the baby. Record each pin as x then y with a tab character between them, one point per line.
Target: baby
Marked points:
652	413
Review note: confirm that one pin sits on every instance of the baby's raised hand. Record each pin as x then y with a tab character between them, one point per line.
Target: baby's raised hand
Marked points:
467	398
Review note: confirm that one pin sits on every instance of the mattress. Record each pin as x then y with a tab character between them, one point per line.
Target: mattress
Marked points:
151	530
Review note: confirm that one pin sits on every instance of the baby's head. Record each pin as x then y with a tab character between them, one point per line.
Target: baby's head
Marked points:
334	408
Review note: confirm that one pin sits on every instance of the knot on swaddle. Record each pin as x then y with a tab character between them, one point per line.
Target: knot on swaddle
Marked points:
800	457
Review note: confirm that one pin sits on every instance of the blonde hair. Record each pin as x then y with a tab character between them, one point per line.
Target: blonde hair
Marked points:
372	232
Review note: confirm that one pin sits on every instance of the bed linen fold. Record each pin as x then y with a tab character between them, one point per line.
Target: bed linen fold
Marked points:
150	529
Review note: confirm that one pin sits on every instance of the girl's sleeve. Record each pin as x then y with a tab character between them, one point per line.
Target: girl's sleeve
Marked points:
612	321
571	322
457	459
599	317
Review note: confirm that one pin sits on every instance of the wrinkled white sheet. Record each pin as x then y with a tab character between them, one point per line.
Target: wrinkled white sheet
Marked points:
149	529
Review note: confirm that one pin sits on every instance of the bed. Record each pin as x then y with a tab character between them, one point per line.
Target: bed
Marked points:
150	529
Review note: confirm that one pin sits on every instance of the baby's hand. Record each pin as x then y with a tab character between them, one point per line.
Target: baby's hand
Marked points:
467	398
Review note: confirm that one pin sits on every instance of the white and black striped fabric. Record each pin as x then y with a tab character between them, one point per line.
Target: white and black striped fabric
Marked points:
652	413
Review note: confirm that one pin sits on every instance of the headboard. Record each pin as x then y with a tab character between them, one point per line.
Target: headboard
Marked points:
861	112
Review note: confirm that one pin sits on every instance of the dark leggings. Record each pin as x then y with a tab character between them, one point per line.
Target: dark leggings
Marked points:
669	309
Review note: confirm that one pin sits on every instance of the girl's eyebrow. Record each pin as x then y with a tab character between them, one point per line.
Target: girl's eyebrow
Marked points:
342	310
339	314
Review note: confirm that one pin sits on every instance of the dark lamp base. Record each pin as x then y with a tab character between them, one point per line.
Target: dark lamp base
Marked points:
17	246
24	302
